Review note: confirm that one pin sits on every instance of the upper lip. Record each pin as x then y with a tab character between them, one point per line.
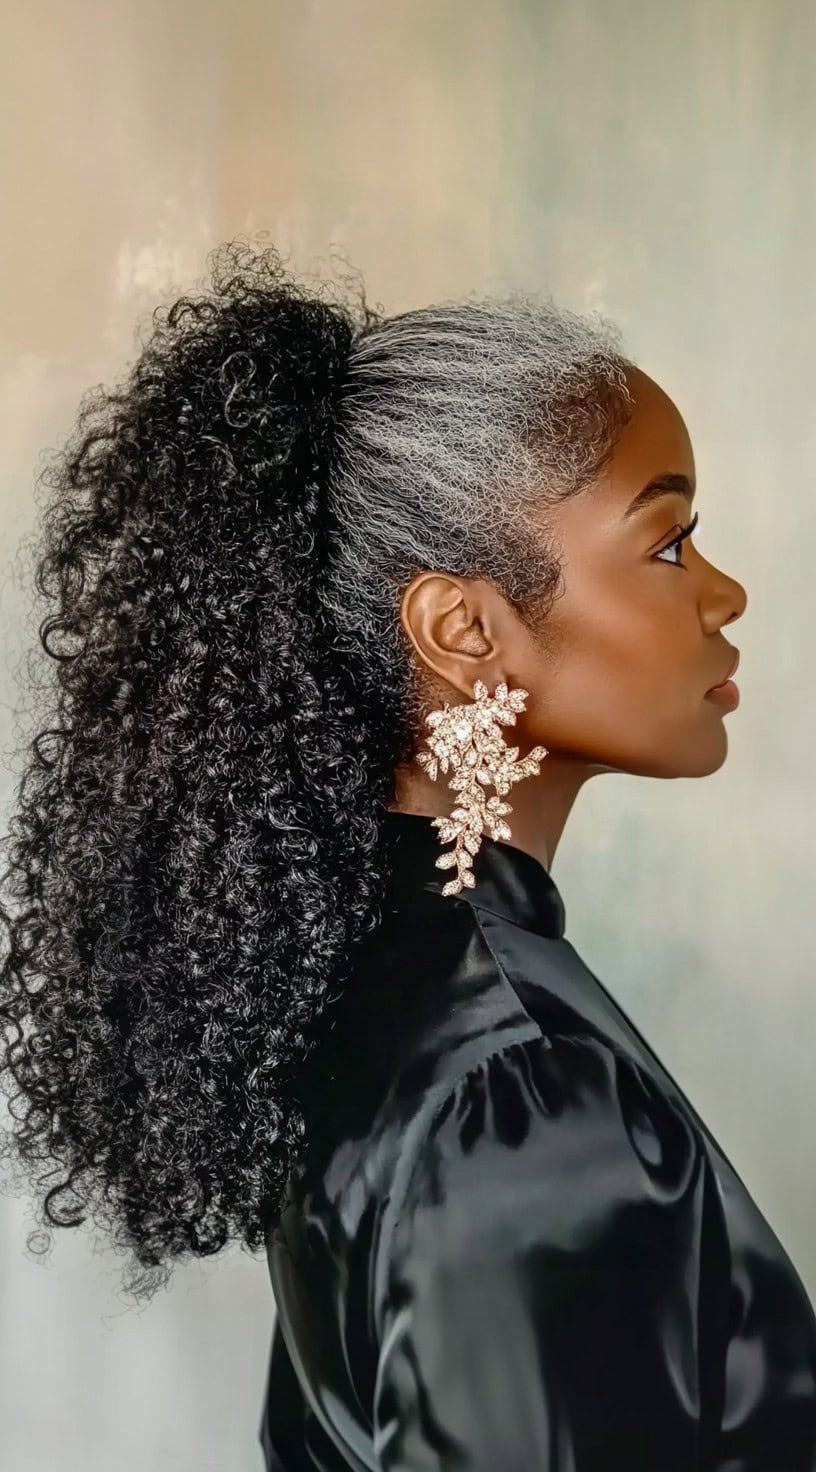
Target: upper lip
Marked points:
732	671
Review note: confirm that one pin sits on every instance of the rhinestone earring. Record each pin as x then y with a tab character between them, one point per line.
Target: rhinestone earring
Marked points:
467	737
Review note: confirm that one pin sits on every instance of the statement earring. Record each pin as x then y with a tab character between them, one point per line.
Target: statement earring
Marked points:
468	738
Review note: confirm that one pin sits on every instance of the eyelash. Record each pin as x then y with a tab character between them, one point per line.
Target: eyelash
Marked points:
686	532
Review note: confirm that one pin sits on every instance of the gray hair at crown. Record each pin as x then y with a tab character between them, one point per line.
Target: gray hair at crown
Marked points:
459	425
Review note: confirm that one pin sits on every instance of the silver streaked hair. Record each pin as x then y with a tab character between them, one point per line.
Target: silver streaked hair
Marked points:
459	425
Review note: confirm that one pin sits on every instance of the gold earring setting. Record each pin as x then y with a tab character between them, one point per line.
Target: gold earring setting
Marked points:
468	738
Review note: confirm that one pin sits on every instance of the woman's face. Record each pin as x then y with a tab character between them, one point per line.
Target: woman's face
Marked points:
636	638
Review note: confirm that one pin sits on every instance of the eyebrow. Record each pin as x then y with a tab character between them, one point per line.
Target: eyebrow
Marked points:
668	483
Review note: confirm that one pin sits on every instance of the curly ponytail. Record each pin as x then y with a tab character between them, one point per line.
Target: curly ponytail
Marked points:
196	845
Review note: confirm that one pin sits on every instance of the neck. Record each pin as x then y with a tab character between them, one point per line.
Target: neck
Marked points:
541	805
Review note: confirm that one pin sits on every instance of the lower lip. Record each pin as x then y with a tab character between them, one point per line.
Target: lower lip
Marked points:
726	695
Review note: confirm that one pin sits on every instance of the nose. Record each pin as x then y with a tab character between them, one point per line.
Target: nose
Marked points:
726	600
739	598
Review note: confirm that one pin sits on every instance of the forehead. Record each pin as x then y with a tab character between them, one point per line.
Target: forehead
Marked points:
654	443
654	440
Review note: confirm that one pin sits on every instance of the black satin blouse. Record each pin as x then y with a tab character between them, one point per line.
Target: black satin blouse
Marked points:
514	1245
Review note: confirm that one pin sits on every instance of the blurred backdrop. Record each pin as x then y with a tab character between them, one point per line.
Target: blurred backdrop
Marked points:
652	160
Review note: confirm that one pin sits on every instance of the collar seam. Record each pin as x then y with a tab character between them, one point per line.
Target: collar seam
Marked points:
477	905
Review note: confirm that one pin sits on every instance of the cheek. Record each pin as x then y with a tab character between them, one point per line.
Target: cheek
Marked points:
627	691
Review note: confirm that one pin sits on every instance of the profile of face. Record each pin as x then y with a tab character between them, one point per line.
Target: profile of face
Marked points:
638	633
618	678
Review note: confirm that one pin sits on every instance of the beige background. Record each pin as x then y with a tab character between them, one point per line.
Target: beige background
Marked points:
652	159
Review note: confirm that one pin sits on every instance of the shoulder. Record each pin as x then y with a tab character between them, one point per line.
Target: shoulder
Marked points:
557	1143
557	1093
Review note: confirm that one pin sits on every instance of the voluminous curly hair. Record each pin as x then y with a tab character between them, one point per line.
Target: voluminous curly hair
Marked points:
196	843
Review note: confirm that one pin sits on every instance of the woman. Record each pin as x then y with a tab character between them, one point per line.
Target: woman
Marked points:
313	564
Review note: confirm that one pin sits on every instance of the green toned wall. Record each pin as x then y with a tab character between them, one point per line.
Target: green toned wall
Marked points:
653	158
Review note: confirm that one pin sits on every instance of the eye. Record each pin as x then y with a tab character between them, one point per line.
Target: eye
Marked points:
678	540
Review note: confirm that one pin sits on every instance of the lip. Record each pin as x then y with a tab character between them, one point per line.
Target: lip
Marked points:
727	695
727	678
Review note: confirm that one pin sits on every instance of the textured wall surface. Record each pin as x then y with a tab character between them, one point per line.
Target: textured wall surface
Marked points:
655	161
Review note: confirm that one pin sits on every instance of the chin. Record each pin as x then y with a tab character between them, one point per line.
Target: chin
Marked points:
691	758
698	759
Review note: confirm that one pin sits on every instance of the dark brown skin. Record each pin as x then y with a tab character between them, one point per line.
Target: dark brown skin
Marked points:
617	680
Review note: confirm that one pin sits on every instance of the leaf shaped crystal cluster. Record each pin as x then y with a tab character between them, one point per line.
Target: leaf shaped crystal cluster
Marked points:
468	739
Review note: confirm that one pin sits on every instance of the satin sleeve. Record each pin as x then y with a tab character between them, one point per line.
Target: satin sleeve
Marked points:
292	1439
556	1291
283	1426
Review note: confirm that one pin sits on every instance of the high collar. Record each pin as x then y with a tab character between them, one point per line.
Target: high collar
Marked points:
509	881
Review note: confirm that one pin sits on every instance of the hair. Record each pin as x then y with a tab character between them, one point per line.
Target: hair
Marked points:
196	843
